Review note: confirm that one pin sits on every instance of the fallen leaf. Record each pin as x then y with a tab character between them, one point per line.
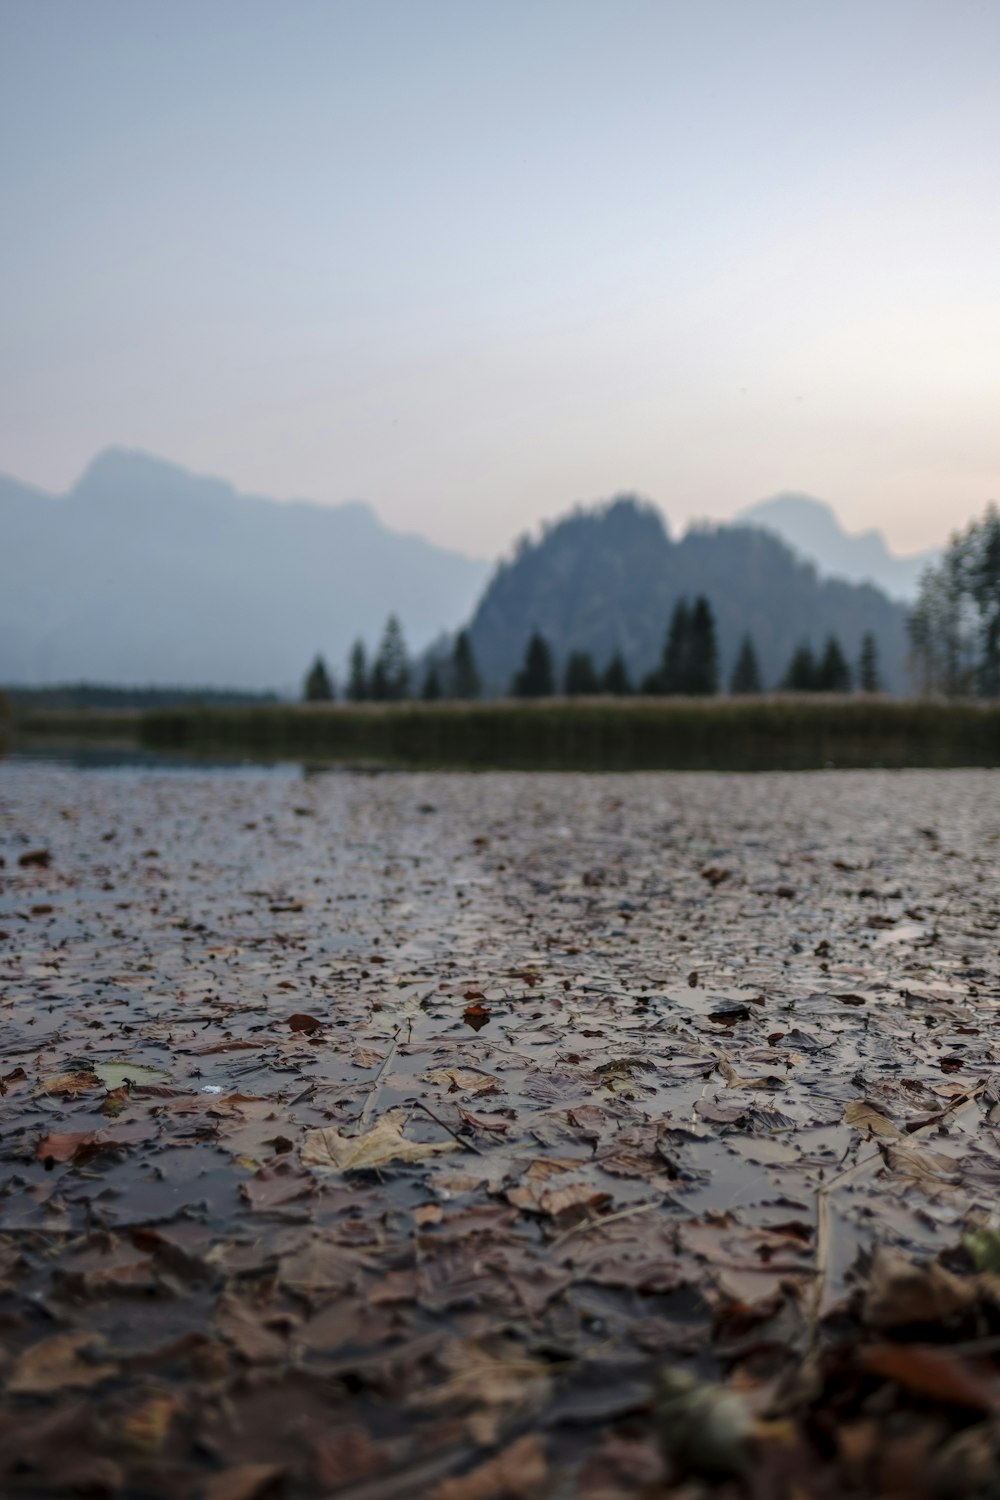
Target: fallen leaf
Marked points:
902	1293
302	1022
864	1116
463	1080
521	1470
934	1373
145	1427
65	1146
384	1143
59	1363
244	1482
71	1083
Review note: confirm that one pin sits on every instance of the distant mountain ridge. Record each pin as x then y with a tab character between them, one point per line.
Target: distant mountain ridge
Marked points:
147	574
606	580
813	529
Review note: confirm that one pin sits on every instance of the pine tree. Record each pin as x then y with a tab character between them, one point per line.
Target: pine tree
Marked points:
674	668
580	677
431	689
868	678
616	679
536	678
318	687
833	675
465	681
746	671
802	672
358	686
701	677
391	673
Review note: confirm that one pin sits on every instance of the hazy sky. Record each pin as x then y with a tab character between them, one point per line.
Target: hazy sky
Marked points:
476	261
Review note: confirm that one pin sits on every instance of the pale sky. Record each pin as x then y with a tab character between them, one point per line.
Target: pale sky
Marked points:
474	262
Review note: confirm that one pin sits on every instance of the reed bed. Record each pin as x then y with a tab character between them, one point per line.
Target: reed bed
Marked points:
786	732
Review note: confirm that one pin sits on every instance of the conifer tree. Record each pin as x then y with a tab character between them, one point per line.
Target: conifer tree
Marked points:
674	668
616	679
802	673
465	681
431	689
701	677
318	687
391	673
580	677
746	670
868	678
536	678
833	675
357	673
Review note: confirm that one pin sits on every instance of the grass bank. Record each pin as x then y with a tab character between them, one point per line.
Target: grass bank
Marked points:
782	732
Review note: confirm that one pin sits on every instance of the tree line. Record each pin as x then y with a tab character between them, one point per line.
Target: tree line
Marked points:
688	666
955	625
389	677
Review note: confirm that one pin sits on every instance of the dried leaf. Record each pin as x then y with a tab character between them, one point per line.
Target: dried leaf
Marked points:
377	1147
59	1363
864	1116
522	1470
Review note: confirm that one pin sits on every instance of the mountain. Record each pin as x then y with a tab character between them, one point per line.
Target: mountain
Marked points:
145	573
812	528
607	579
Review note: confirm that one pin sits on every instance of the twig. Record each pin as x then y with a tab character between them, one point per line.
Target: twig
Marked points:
461	1139
601	1221
375	1087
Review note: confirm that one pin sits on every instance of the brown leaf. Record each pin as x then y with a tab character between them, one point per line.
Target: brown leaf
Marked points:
521	1470
242	1326
932	1372
902	1293
244	1482
38	859
145	1427
58	1364
65	1147
72	1083
302	1022
463	1080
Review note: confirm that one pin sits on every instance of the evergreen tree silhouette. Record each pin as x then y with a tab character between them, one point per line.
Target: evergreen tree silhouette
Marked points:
391	673
536	678
431	689
465	681
801	675
318	687
746	670
616	679
674	668
580	677
357	673
701	674
833	675
868	678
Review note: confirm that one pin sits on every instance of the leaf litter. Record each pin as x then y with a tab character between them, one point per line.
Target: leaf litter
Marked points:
598	1135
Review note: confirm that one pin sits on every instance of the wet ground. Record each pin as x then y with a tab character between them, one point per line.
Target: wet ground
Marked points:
389	1135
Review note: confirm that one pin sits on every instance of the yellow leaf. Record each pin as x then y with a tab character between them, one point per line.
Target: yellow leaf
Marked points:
385	1142
864	1117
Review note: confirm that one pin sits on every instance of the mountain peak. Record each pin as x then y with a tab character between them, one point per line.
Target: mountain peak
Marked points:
812	527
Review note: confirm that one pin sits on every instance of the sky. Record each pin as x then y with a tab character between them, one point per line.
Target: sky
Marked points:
476	261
